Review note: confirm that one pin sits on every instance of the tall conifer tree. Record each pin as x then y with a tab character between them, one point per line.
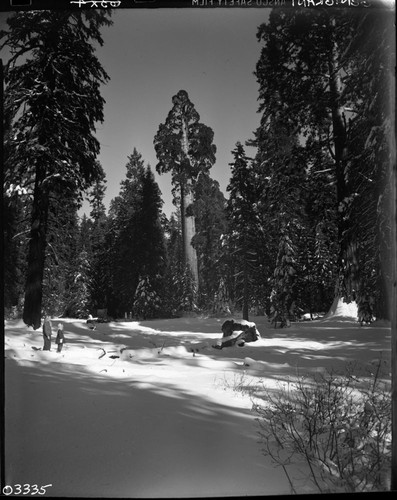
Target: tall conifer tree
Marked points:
241	212
312	67
100	263
125	232
52	97
211	224
151	261
184	147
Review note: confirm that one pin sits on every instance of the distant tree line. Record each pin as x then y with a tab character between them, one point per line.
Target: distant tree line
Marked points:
307	218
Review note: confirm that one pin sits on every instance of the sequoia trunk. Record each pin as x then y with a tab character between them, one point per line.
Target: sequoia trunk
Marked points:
188	223
347	249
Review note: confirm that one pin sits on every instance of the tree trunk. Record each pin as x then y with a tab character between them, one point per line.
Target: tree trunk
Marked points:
190	231
394	330
384	232
183	224
36	257
245	290
188	223
347	250
393	291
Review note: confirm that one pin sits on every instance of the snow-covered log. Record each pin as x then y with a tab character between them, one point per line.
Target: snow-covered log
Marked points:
238	333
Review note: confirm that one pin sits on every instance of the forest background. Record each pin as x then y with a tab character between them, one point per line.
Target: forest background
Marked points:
307	219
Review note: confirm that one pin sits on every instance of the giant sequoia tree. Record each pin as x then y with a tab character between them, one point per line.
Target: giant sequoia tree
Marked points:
184	147
312	69
53	101
371	90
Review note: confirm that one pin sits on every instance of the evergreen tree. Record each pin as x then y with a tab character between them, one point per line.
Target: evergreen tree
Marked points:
100	265
15	245
338	82
79	305
52	97
184	147
241	211
289	215
63	233
186	290
96	195
180	289
175	268
372	52
112	302
78	302
147	302
318	250
151	250
301	51
135	235
282	296
209	212
125	231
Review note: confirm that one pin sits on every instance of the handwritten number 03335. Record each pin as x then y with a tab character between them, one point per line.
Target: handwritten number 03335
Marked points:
25	489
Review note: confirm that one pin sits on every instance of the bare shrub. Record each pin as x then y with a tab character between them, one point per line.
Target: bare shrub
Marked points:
338	425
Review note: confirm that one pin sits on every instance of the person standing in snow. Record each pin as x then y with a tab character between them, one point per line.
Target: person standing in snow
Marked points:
60	338
47	331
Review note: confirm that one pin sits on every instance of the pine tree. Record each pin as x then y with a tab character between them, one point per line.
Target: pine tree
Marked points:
282	296
63	233
15	246
301	51
136	237
151	251
52	97
96	195
282	169
209	212
79	304
186	289
125	234
180	289
100	265
151	247
147	302
111	299
16	203
241	211
318	251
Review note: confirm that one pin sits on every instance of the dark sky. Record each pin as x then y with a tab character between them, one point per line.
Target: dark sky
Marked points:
152	54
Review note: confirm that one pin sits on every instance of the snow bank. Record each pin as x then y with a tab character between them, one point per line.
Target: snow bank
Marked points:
342	310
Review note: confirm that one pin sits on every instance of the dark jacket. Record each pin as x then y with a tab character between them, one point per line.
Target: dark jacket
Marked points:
47	330
60	337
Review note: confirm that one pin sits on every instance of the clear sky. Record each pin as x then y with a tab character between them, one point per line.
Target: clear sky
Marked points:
152	54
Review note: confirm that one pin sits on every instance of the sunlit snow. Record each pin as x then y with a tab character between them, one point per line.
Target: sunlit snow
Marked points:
150	409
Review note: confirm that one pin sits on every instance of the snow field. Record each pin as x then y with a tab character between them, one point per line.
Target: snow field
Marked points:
152	410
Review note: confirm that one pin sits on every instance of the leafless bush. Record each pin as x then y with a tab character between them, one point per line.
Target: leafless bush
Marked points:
338	425
239	383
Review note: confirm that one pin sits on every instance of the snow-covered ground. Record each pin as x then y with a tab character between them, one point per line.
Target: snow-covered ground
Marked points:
150	409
